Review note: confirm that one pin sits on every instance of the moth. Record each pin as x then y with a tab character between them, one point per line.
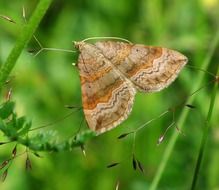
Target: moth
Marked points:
111	72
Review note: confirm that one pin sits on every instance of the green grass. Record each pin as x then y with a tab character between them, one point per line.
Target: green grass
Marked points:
26	34
182	119
42	85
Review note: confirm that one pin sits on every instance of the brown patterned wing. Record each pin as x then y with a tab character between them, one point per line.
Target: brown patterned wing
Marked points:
149	68
107	96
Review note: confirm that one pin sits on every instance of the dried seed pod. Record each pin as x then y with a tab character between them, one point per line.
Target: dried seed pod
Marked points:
140	166
113	164
4	175
5	163
14	151
190	106
134	162
123	135
28	164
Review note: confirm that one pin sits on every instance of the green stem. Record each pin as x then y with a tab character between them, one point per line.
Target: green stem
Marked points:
23	39
205	133
197	83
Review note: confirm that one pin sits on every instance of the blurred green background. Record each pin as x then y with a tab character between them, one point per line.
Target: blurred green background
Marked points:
44	84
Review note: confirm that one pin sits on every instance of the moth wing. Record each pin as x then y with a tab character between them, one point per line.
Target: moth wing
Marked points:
107	97
149	68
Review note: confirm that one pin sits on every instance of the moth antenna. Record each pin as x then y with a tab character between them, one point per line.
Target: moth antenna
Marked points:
200	69
107	37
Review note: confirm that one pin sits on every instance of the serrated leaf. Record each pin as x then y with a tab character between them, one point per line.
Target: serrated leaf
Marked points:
20	122
12	122
2	126
6	109
25	129
10	131
83	136
7	128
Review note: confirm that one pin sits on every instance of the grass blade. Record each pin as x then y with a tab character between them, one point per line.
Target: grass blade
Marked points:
23	39
197	83
205	133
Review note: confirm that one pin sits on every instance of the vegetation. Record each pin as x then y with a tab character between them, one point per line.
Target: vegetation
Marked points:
41	133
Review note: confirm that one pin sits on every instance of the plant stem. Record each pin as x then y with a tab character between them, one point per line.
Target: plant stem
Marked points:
65	145
205	133
23	39
197	83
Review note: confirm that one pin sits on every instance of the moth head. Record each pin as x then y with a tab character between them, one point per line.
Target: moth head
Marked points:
78	45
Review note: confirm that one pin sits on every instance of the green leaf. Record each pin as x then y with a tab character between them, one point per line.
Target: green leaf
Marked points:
4	175
20	122
25	129
25	36
7	129
2	126
6	109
